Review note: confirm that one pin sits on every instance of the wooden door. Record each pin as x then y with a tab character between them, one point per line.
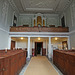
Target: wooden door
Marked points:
43	52
12	44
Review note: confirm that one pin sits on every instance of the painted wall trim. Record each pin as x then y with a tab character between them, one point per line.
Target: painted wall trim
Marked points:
13	5
10	33
71	32
41	14
35	36
4	30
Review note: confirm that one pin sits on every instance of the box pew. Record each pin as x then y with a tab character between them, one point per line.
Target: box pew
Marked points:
12	62
1	65
65	61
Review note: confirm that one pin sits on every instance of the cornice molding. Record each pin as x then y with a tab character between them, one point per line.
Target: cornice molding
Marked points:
47	15
4	30
71	32
38	34
13	6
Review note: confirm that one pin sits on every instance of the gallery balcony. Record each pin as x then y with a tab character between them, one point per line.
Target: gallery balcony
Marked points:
39	29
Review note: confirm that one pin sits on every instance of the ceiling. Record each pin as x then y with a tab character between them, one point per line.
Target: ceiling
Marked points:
41	6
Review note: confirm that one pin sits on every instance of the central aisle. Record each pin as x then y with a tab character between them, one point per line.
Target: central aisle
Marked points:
40	66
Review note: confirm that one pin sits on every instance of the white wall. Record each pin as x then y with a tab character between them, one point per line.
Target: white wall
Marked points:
22	44
69	15
3	39
57	44
52	19
72	26
72	40
6	19
27	19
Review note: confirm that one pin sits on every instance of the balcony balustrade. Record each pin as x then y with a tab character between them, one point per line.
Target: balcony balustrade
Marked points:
39	29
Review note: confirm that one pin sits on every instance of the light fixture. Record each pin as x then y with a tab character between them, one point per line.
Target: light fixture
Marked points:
73	48
56	38
66	48
38	38
21	38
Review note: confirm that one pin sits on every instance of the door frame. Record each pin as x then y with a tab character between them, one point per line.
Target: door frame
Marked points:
12	44
36	47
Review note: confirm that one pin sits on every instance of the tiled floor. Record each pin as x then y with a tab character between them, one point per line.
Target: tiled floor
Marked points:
27	62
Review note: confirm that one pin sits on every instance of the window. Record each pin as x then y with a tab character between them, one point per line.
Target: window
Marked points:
63	21
14	21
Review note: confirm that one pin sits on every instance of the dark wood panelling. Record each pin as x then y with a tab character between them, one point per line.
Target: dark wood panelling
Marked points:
44	52
39	29
33	52
65	61
12	62
1	66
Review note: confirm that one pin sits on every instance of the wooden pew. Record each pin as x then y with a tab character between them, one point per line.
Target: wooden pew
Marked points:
65	61
12	62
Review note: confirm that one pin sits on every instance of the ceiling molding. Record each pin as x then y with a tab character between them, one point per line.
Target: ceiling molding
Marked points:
47	15
4	30
22	3
57	5
39	6
47	9
39	33
72	32
67	5
13	6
